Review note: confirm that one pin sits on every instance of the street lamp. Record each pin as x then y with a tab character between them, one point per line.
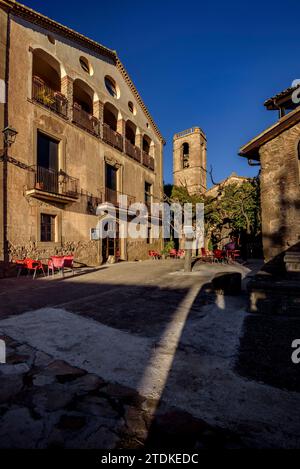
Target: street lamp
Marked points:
9	137
9	134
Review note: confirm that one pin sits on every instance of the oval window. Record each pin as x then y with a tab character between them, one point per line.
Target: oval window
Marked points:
85	65
51	38
131	107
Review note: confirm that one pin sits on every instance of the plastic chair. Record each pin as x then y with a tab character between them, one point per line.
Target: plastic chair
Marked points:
35	265
69	263
56	262
173	253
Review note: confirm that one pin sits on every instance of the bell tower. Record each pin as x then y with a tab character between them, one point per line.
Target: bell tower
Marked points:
189	160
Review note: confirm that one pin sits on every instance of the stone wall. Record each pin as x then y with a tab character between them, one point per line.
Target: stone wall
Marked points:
280	193
139	250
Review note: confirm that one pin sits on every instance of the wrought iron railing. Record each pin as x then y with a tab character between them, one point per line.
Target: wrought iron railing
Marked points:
132	151
112	137
54	182
48	97
85	120
112	196
148	160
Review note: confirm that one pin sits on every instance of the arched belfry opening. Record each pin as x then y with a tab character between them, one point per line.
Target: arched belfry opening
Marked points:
185	155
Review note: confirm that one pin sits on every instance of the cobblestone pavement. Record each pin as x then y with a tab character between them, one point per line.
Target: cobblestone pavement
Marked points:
133	355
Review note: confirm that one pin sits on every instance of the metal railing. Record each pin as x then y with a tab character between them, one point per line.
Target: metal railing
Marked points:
53	100
112	196
148	160
132	151
86	121
112	137
54	182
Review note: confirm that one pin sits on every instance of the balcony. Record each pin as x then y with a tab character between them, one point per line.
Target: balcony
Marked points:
132	151
85	120
52	185
51	99
112	137
112	196
148	161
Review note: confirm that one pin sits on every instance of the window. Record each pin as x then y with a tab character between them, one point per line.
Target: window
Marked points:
51	38
111	86
148	194
47	163
111	177
131	107
48	227
85	65
185	155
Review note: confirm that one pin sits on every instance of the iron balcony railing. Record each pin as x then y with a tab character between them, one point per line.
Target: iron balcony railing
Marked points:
112	196
53	100
112	137
148	160
132	151
54	182
86	121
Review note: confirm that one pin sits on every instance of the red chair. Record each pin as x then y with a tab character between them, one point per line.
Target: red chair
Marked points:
180	253
34	265
56	262
173	253
69	263
219	255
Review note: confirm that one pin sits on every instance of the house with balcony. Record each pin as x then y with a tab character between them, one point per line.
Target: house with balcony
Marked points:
84	137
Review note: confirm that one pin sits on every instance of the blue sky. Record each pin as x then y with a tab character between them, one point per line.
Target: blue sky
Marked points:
210	64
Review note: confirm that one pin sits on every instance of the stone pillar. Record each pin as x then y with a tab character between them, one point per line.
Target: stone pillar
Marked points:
139	141
67	90
98	109
121	124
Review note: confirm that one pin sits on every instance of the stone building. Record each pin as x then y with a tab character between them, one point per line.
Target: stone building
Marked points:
277	150
189	160
84	137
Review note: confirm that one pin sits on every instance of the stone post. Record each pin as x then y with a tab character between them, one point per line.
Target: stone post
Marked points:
98	109
121	124
67	90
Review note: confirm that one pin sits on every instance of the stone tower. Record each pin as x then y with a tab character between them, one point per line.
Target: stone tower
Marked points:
189	160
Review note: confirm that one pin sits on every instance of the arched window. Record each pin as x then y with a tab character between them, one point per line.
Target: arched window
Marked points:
185	155
83	103
146	144
110	116
130	131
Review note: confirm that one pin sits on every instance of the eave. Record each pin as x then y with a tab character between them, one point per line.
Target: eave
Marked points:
251	149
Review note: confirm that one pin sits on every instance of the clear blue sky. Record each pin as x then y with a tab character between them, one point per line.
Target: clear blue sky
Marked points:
210	64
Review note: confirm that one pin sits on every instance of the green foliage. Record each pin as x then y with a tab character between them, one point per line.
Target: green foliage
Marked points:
168	246
235	205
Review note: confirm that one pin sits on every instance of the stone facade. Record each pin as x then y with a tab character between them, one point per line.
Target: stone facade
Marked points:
189	160
277	150
280	193
85	137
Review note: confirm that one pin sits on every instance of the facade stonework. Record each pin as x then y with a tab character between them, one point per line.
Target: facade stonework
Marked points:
54	102
277	151
280	193
189	160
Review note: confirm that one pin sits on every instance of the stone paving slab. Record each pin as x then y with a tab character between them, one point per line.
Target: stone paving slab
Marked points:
135	355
